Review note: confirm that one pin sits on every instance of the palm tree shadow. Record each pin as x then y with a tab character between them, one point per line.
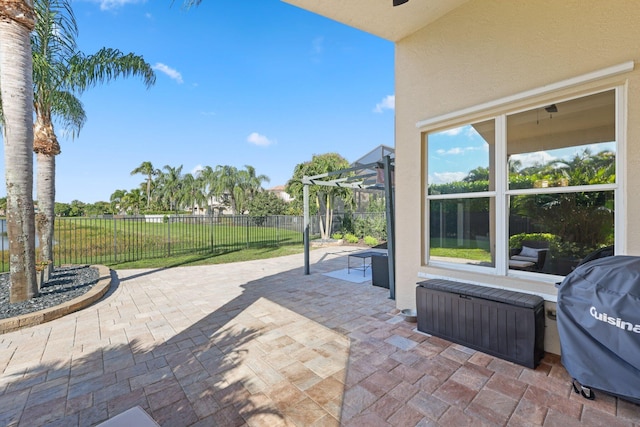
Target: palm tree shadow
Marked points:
213	370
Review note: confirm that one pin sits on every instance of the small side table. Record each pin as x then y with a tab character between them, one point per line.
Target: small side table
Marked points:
363	256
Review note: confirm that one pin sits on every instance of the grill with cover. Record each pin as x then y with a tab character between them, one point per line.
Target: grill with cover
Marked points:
598	314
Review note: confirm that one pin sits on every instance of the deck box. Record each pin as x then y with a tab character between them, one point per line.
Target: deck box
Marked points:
502	323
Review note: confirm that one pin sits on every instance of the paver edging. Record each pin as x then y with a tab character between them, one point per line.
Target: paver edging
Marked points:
68	307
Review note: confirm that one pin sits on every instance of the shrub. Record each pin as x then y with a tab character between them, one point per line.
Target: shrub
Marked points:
336	236
370	241
350	238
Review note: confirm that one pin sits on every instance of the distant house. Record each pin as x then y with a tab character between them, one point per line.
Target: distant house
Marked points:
279	191
372	176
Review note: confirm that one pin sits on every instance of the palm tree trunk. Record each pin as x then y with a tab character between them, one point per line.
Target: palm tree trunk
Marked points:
329	216
46	147
148	191
321	222
16	21
46	214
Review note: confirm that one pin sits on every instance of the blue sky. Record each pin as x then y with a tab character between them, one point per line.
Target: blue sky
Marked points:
453	153
258	83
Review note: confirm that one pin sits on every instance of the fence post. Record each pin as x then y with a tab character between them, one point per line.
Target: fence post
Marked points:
212	245
115	239
168	235
247	224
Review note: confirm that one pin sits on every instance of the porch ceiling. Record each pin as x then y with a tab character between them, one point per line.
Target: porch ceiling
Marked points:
380	17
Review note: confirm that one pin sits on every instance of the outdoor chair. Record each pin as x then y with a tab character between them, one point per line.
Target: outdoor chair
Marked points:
530	256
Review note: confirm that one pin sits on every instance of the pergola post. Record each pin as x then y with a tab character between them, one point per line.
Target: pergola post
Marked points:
305	197
388	193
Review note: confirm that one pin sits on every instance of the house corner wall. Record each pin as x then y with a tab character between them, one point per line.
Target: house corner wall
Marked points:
488	50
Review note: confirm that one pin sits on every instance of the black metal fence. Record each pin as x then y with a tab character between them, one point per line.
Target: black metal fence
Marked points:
112	240
117	239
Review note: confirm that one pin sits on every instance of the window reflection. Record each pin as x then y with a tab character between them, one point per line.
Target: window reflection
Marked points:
570	225
460	159
460	231
564	144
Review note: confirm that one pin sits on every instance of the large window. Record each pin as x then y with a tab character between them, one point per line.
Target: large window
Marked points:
529	191
460	179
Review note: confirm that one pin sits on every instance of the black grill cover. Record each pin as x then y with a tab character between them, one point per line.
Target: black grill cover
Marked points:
598	314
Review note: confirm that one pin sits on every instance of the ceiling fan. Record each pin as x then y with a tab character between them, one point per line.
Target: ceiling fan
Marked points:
399	2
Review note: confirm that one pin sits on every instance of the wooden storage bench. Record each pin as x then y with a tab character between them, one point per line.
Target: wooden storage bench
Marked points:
502	323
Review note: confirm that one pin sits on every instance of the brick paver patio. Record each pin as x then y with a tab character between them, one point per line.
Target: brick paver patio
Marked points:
260	344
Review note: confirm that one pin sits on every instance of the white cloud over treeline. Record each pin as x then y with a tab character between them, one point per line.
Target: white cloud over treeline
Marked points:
387	103
256	139
114	4
171	72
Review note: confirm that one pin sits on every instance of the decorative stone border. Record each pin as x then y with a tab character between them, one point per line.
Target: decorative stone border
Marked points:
68	307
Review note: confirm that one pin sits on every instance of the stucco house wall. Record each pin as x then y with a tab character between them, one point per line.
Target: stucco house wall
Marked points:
472	59
488	50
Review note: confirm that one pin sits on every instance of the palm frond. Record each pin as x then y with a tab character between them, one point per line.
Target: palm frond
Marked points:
69	111
105	65
188	3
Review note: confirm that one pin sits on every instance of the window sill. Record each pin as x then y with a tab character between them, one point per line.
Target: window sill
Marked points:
545	287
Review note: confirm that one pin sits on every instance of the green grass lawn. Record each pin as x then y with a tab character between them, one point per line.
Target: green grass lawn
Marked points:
450	248
134	243
204	259
462	253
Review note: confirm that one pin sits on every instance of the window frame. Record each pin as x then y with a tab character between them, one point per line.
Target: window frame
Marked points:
584	86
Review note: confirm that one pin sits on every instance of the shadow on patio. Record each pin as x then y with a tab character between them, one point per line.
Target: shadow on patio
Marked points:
259	343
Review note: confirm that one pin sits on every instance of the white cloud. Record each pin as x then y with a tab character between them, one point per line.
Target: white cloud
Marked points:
317	45
172	73
532	159
196	170
466	130
261	140
458	150
453	132
387	103
114	4
445	177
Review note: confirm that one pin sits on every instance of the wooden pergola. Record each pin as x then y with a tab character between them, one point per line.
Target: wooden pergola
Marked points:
371	176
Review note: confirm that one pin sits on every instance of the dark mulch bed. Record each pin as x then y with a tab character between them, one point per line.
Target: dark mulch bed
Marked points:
66	283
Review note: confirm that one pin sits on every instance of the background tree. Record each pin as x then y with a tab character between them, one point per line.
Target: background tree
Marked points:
133	201
251	182
227	180
192	192
323	197
146	169
62	209
60	73
265	204
116	201
169	186
97	208
17	20
76	208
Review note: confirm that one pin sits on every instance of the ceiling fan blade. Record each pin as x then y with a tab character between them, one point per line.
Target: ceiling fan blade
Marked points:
399	2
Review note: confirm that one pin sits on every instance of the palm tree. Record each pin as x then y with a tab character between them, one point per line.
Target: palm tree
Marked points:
61	72
226	179
132	200
193	191
325	196
208	178
147	169
253	182
116	200
16	90
169	185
